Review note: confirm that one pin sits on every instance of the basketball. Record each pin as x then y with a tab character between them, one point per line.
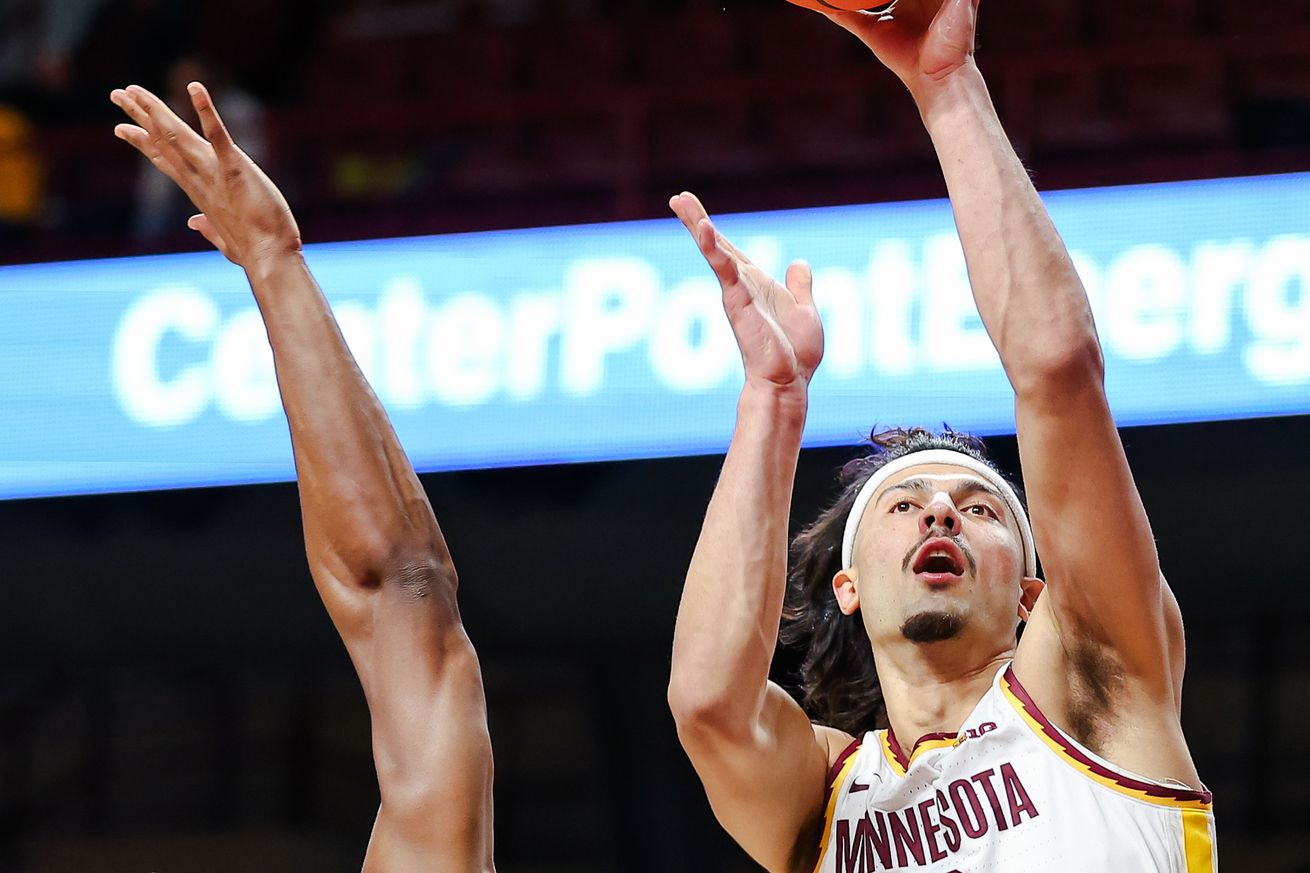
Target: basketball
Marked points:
847	6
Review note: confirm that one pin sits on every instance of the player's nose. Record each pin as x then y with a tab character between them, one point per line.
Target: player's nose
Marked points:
939	513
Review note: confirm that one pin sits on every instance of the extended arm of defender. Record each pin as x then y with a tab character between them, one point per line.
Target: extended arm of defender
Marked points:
762	762
375	551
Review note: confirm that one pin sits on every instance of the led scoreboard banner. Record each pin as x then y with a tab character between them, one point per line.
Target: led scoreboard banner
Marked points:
609	342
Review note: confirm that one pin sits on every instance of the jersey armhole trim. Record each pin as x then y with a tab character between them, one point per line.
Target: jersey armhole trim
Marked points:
837	775
1074	756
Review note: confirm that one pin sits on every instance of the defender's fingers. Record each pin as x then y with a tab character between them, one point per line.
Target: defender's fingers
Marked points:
167	126
128	104
800	282
210	121
202	225
146	145
128	100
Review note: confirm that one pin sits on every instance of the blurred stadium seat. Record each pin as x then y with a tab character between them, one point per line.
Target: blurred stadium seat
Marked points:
406	103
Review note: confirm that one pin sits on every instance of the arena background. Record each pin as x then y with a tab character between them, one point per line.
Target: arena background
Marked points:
172	695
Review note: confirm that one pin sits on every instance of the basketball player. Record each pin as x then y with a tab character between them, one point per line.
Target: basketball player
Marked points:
376	554
1060	752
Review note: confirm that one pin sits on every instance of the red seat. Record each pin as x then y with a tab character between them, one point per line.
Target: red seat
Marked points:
1174	102
788	38
474	63
854	127
1072	112
587	53
356	71
1157	19
691	47
1030	24
1261	16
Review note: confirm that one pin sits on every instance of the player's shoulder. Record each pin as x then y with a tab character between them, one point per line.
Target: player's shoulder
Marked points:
837	745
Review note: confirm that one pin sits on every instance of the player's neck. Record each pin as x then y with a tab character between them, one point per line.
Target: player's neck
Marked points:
931	689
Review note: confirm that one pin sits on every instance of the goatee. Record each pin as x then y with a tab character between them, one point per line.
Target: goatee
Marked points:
932	627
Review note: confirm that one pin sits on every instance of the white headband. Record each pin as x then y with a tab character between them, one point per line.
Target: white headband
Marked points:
951	458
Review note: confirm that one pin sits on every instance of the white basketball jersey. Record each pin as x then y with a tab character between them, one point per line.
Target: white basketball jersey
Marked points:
1011	793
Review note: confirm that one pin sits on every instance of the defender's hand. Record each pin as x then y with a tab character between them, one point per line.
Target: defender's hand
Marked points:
242	212
777	327
924	42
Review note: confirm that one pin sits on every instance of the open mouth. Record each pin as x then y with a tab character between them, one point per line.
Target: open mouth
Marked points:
939	557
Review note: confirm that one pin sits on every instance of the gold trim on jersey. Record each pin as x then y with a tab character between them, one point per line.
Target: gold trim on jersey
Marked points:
884	740
834	794
1198	845
1160	795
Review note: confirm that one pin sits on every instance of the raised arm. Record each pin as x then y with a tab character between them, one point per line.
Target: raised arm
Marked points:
376	554
1107	617
762	763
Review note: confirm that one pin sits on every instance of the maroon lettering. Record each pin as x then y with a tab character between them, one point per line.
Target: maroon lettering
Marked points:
952	829
985	780
1020	802
971	819
906	836
856	855
848	853
930	829
879	839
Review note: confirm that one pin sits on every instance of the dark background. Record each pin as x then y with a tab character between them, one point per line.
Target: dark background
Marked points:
172	695
175	698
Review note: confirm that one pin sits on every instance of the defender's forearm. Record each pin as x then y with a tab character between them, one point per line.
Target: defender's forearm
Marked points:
732	602
1027	291
363	505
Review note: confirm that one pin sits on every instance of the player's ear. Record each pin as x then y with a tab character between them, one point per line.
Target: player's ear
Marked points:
848	596
1032	589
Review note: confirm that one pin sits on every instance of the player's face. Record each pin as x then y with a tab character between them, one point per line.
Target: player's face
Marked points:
938	554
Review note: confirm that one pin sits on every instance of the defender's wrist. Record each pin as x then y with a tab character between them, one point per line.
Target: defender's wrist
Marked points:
268	264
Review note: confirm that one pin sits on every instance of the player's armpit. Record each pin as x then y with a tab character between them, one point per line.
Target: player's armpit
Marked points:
766	782
1104	586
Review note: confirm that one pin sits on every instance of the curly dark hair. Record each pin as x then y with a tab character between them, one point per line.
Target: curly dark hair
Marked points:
838	681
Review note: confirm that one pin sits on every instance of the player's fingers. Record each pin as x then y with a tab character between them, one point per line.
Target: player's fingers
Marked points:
210	121
800	282
171	133
689	209
692	212
709	240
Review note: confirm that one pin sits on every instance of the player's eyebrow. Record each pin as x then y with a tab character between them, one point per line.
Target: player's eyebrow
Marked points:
964	489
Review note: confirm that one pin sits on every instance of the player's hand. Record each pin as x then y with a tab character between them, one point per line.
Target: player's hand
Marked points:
242	212
777	326
924	42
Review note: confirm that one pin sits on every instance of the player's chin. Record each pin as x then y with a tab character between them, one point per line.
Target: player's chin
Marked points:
934	625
